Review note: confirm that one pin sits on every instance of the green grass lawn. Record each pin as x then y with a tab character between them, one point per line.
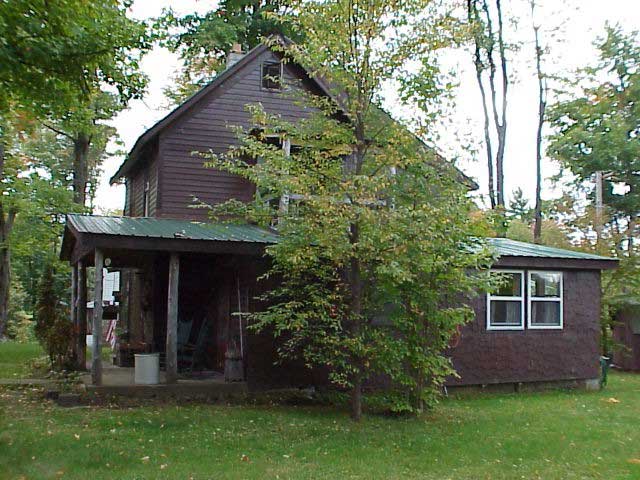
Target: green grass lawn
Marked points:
14	358
557	435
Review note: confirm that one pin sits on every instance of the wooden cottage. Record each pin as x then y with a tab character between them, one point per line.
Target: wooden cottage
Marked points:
542	326
187	284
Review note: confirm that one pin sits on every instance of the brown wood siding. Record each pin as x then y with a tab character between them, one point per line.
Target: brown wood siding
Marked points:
627	355
137	182
500	356
208	127
135	190
127	198
153	187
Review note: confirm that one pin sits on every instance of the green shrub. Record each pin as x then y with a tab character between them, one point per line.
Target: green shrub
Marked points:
53	329
19	323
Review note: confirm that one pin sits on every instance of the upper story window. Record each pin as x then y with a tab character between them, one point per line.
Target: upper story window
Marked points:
145	199
545	300
505	306
276	200
272	75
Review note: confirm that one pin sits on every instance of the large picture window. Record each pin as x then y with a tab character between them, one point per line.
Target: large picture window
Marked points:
545	300
505	306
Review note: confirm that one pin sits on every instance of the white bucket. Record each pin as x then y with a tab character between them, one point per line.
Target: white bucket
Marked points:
147	371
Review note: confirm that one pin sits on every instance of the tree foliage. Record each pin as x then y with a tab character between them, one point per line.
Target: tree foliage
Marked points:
70	64
377	248
204	41
598	128
46	198
56	56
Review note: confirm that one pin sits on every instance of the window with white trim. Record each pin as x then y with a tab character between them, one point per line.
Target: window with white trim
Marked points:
505	306
545	300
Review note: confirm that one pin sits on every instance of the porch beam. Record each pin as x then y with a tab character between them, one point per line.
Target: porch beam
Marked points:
96	360
74	311
81	315
172	319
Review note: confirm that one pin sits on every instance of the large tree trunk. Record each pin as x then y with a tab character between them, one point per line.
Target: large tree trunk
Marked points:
81	144
356	397
4	264
6	224
542	103
355	281
5	275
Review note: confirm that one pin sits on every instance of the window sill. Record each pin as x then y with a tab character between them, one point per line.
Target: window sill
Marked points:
506	328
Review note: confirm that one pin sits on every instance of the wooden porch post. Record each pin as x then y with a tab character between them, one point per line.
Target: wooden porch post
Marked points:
96	360
172	319
81	315
74	311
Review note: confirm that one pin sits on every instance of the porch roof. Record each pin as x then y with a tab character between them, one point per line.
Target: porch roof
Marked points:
83	233
169	228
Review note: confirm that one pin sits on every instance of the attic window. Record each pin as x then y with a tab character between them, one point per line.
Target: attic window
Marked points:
272	75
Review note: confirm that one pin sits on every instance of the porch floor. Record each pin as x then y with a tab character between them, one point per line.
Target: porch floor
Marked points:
119	381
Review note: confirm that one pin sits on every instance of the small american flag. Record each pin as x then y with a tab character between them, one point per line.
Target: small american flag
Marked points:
110	337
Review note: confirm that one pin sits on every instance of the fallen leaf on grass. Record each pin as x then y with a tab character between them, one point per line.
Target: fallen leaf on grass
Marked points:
613	400
634	461
145	459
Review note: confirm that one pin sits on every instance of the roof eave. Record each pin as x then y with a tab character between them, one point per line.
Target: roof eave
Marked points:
547	263
180	110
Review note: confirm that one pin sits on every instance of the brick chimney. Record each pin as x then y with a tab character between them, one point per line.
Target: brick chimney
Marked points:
234	55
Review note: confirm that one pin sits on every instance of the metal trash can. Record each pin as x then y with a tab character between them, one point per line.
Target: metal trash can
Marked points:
147	368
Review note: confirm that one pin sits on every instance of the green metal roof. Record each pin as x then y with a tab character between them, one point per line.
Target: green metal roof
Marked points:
505	247
168	228
231	232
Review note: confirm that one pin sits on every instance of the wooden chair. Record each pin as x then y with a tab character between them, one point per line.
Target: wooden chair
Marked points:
193	352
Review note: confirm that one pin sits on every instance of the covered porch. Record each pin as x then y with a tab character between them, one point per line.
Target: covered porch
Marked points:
119	382
185	291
